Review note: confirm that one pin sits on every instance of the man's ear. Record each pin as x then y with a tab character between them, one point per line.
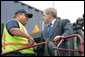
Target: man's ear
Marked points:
50	14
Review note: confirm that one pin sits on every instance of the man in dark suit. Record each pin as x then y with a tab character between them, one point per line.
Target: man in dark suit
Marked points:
56	28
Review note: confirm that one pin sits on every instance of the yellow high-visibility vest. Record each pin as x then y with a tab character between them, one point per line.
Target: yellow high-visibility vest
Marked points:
10	43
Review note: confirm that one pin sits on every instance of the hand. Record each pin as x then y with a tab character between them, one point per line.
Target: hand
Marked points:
35	43
31	41
57	38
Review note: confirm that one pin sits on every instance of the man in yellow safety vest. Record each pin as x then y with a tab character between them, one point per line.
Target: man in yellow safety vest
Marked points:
15	35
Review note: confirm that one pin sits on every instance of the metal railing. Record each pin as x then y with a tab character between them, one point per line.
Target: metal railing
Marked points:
81	51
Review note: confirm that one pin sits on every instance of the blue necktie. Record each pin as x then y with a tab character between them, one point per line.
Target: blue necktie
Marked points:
49	29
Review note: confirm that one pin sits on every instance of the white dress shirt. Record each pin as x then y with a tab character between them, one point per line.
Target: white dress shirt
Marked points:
53	22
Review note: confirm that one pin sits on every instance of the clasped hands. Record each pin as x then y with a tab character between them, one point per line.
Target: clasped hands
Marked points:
31	41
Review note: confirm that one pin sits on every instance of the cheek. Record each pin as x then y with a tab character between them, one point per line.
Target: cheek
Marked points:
24	19
45	18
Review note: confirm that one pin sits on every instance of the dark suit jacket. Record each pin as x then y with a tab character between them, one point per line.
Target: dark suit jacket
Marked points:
60	28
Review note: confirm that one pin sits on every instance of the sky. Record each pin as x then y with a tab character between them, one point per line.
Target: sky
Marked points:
65	9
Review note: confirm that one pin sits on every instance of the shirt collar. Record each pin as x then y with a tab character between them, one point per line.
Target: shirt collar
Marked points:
53	22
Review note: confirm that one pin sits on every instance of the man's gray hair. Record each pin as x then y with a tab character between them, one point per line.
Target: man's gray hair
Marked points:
53	11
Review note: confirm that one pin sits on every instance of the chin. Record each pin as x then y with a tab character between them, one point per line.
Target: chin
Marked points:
24	24
45	22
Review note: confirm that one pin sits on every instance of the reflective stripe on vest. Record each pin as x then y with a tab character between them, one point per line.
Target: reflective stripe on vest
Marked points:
4	43
14	44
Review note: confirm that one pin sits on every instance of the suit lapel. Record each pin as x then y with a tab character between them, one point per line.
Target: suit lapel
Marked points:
54	27
46	31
